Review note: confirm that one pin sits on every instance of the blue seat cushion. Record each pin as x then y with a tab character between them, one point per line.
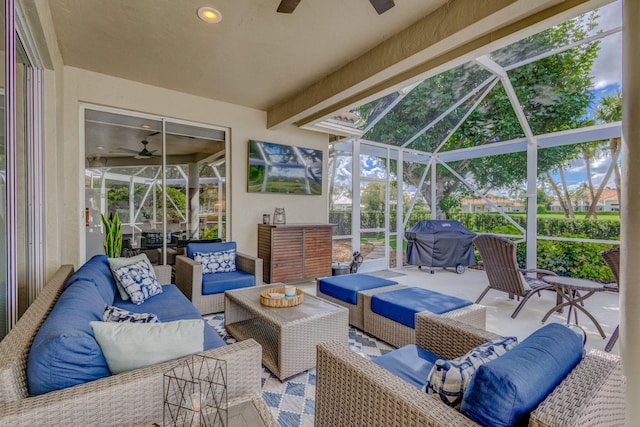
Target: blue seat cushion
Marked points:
209	247
401	305
64	351
172	305
215	283
411	363
346	288
96	270
504	391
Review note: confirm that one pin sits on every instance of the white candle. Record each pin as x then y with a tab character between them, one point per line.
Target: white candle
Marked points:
289	291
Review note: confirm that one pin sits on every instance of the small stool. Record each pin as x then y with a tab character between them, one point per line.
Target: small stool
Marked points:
345	291
390	316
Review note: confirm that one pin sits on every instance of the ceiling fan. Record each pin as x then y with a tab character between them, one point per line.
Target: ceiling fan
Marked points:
142	154
381	6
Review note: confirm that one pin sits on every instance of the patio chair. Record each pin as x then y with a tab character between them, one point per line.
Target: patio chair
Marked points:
499	259
612	258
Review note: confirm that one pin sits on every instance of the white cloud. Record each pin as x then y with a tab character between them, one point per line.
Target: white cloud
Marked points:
607	67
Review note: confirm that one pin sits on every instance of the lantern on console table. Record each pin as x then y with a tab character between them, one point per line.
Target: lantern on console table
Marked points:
279	216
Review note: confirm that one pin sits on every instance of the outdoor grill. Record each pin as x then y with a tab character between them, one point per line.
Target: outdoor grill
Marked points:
439	243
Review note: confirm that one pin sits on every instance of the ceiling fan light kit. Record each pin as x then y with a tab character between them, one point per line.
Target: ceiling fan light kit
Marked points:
381	6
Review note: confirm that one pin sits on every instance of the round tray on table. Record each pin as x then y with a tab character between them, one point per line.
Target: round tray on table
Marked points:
265	299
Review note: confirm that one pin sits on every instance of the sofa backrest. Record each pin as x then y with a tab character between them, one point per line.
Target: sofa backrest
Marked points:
14	348
209	247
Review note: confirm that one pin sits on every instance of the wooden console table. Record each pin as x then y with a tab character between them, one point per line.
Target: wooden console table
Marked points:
293	252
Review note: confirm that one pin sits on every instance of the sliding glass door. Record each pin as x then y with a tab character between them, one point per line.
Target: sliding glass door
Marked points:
165	178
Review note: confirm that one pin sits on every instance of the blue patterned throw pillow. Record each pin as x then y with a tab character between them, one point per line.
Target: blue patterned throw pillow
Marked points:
449	379
139	280
115	314
216	262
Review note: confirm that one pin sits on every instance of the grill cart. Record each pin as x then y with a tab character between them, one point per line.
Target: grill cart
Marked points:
440	243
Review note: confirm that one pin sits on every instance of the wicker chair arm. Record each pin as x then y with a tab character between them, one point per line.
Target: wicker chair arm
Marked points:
189	277
352	390
592	394
163	273
130	398
250	264
539	272
448	338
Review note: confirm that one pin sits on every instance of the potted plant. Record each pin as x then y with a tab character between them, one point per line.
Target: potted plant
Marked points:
112	235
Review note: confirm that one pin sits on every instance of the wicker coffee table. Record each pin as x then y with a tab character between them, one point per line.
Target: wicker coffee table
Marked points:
288	335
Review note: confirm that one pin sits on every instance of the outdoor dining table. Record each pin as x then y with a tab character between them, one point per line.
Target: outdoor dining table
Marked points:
574	292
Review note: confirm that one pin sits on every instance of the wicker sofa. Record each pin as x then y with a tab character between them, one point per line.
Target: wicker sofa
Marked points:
189	278
351	390
129	398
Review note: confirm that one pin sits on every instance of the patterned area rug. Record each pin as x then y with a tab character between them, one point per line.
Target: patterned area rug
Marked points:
292	403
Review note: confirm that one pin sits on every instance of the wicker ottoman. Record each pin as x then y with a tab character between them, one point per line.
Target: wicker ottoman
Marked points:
413	301
345	291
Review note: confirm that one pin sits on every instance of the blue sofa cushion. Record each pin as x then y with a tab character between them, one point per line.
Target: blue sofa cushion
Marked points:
411	363
504	391
172	305
346	288
96	270
64	351
216	283
401	305
192	248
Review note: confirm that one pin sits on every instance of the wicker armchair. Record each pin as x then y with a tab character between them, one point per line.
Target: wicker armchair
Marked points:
130	398
189	280
612	258
500	263
351	390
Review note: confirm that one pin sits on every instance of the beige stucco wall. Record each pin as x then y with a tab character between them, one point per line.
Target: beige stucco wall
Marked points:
80	86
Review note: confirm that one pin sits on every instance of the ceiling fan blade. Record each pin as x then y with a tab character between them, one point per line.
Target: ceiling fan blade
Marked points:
288	6
123	150
381	6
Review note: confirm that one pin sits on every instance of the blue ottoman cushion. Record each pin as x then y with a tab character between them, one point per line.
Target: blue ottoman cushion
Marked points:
215	283
172	305
411	363
401	305
504	391
346	288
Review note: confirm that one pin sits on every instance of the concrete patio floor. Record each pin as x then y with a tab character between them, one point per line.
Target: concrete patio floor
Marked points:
603	306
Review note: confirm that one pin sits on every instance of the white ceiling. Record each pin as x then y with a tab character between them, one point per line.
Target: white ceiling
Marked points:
255	57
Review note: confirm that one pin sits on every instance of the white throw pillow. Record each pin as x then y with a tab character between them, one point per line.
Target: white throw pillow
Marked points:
449	379
115	263
128	346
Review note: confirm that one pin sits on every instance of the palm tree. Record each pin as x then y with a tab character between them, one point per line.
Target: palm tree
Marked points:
609	110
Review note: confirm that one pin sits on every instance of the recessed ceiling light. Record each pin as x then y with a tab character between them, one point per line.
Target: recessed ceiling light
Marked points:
100	147
209	15
146	126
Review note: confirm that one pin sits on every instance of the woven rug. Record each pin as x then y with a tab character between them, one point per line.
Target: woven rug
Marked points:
292	403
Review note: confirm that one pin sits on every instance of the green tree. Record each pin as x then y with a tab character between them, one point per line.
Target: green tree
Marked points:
609	110
554	93
373	197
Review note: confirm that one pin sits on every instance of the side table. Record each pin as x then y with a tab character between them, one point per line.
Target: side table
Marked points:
569	289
